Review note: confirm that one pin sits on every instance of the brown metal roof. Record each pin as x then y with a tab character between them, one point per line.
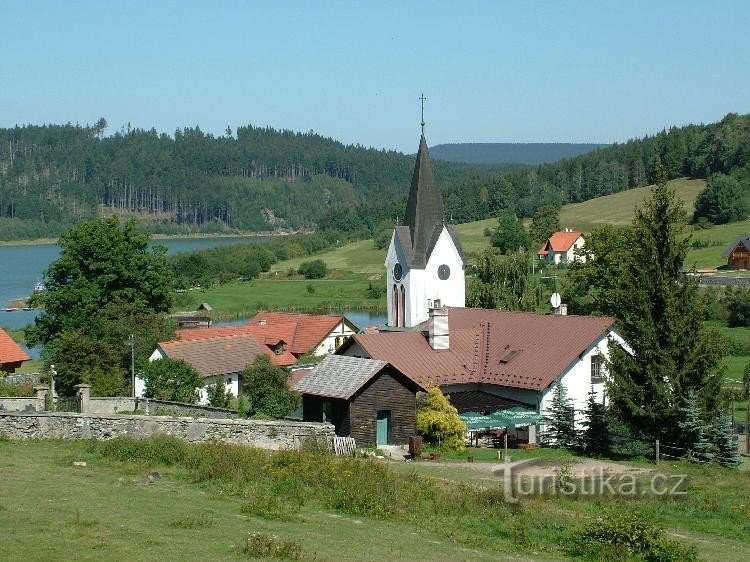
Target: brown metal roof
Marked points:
545	347
218	356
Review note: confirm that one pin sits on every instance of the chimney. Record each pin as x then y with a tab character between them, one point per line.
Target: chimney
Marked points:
561	310
437	326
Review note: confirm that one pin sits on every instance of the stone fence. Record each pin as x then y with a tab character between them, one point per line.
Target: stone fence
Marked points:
125	405
256	433
22	378
21	404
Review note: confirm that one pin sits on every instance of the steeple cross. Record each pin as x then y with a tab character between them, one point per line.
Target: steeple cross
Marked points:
423	100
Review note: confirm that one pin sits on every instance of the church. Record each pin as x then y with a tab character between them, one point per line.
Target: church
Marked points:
485	360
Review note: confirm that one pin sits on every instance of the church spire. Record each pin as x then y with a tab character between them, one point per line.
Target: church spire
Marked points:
424	208
424	99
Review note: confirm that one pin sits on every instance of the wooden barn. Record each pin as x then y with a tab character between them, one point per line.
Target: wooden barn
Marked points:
738	253
366	399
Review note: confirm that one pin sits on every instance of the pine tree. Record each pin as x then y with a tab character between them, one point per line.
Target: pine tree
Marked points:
660	315
562	429
727	450
596	436
693	431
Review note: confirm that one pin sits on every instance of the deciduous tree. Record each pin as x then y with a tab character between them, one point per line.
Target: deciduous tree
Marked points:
168	379
267	391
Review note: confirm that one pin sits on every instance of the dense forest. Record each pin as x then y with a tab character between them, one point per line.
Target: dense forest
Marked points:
531	153
253	179
263	179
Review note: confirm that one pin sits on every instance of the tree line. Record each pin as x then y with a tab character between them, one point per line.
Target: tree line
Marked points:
259	178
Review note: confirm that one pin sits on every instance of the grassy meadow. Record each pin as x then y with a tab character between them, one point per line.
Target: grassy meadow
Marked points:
208	498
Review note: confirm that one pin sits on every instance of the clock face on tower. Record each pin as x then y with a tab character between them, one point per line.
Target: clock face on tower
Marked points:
397	272
444	272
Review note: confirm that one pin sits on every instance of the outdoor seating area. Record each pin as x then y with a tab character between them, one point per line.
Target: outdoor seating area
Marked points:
514	428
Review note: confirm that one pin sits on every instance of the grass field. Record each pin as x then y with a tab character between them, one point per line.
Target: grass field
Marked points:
203	507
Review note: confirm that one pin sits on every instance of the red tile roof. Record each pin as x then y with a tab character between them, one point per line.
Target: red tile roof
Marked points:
481	342
301	332
10	351
222	355
560	242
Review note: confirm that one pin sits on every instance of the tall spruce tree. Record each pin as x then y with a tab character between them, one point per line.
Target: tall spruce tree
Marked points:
693	431
660	315
727	450
562	428
596	438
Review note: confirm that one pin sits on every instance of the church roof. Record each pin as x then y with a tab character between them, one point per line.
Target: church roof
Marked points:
424	213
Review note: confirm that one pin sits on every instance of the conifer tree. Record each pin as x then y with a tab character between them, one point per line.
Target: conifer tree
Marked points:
693	431
596	436
727	450
660	315
562	429
438	420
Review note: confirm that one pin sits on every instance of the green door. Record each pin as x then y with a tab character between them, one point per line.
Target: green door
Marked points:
382	431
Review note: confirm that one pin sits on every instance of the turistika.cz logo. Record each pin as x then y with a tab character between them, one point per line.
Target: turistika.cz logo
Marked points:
594	482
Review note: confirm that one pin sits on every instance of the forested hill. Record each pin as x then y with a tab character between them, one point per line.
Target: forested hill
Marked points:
262	179
510	153
253	179
694	150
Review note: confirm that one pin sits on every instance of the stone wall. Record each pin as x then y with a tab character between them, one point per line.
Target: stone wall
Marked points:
24	404
22	378
123	404
255	433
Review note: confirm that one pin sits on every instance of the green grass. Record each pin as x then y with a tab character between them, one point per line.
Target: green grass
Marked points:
617	209
719	236
210	497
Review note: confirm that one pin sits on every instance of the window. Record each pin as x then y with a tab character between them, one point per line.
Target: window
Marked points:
340	340
229	380
597	368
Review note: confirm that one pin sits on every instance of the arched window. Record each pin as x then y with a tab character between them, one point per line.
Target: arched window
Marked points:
394	298
403	307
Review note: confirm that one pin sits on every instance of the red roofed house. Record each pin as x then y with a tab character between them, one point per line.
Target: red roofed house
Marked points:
225	352
11	354
489	360
561	247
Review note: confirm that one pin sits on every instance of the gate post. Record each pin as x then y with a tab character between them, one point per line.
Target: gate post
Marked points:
41	398
83	394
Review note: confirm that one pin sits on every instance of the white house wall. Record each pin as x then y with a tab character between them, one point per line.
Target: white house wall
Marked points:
231	384
342	330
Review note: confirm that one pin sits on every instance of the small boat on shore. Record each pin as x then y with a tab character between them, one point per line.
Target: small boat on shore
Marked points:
11	309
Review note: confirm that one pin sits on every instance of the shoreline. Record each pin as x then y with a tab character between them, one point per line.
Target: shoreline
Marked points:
196	236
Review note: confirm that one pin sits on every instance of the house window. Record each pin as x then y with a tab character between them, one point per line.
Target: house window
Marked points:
597	368
229	380
340	340
279	349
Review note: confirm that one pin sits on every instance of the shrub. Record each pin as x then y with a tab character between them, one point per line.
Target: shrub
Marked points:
267	391
167	379
218	395
315	269
626	537
259	545
438	420
738	303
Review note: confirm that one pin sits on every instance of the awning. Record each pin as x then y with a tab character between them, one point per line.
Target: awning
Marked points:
514	417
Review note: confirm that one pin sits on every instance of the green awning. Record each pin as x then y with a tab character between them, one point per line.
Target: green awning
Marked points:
514	417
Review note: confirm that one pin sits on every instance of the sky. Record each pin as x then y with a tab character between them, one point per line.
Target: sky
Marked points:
492	71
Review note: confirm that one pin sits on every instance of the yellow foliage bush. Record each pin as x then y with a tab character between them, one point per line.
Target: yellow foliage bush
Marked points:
438	421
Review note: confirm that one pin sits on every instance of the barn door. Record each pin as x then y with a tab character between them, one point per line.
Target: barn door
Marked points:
384	417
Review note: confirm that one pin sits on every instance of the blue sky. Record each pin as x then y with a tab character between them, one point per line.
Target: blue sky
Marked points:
493	71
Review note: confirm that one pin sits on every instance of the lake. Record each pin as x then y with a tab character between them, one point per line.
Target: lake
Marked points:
21	267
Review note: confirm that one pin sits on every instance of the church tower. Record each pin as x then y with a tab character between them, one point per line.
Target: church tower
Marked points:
425	262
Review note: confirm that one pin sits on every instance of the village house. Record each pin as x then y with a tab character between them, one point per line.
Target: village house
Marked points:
12	356
738	253
366	399
561	247
492	360
223	353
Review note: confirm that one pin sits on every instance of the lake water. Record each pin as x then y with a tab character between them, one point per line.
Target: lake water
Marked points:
21	267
